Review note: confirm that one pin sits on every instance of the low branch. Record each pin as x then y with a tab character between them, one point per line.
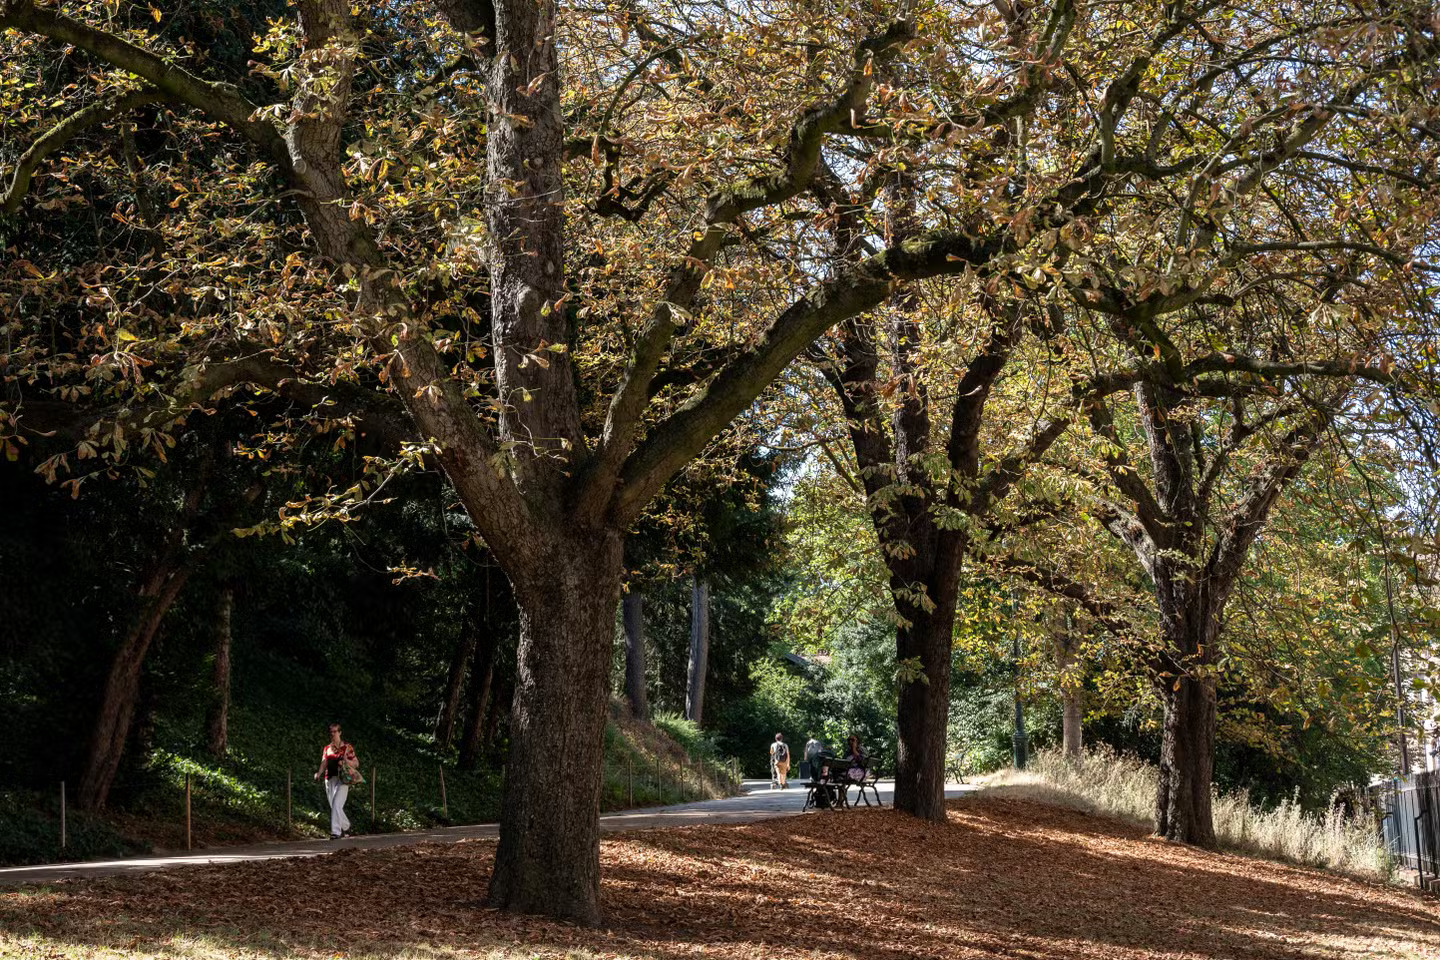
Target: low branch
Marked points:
67	130
221	102
671	443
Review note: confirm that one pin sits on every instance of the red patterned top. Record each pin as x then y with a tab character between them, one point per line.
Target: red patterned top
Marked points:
344	753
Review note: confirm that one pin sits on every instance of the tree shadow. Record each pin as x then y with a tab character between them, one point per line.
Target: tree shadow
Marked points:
1002	877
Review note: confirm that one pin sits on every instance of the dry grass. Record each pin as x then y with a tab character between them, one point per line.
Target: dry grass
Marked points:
1102	781
1003	878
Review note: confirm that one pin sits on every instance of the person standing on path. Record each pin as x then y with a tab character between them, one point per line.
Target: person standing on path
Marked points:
779	761
340	769
813	749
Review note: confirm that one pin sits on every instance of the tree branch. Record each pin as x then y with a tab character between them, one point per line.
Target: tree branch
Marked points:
802	156
67	130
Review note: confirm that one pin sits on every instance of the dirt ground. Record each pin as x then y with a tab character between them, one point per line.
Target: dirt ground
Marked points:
1004	878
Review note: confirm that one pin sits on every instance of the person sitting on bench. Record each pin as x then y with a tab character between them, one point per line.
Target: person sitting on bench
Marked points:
855	759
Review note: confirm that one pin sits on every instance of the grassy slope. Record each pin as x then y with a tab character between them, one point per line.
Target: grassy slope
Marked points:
278	726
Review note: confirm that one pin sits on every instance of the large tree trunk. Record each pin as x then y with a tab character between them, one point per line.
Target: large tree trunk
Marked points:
924	708
218	722
122	685
1186	684
548	859
454	685
482	676
699	649
632	613
1187	761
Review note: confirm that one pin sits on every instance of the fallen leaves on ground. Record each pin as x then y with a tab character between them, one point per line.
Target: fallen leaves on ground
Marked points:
1003	878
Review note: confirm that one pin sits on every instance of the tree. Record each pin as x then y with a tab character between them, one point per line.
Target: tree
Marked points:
217	723
633	620
551	475
699	649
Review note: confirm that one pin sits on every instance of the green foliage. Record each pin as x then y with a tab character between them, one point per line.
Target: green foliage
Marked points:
30	831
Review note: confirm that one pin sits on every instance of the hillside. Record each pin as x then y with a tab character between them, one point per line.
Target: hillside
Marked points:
276	730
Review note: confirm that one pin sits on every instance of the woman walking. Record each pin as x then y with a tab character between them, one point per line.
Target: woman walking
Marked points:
340	769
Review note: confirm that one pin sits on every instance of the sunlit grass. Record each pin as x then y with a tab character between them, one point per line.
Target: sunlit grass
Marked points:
1119	785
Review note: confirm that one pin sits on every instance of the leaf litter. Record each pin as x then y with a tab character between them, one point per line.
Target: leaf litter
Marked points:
1002	878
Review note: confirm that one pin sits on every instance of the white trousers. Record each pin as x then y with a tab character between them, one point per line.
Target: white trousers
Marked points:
336	792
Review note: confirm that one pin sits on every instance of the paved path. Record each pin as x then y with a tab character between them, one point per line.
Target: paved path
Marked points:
757	802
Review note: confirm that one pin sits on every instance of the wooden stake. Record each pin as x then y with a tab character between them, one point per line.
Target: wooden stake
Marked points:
289	817
187	811
64	841
444	803
630	782
373	777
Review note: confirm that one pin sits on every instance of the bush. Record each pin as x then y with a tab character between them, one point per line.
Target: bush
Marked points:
1120	785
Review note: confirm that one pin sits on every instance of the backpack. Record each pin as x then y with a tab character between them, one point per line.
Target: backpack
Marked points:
782	752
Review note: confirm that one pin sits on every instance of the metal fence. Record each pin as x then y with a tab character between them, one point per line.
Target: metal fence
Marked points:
1409	813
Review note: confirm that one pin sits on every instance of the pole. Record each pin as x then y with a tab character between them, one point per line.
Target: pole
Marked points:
289	816
187	811
658	788
1402	741
373	777
64	840
444	803
630	782
1018	739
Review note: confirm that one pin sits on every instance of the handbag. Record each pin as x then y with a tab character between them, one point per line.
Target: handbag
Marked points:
350	774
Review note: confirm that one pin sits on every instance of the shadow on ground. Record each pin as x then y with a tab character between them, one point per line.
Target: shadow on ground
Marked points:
1007	878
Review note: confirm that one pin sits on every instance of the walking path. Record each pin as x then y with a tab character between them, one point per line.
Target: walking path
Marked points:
757	802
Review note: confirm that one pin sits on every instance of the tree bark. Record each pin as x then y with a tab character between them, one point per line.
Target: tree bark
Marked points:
482	676
1072	689
218	722
924	705
632	613
501	695
699	649
548	858
1072	716
454	686
122	684
1187	762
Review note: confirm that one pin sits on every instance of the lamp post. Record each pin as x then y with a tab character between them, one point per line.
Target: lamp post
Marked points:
1018	739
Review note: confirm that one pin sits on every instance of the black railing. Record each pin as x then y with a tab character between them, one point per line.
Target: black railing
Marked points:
1408	809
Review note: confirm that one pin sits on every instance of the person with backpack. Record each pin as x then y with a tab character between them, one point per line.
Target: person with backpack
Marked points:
779	762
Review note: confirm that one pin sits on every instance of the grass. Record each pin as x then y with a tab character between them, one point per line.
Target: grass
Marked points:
1002	878
1103	781
667	761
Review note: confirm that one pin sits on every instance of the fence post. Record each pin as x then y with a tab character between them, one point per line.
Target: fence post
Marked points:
289	810
630	781
374	775
64	840
187	811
